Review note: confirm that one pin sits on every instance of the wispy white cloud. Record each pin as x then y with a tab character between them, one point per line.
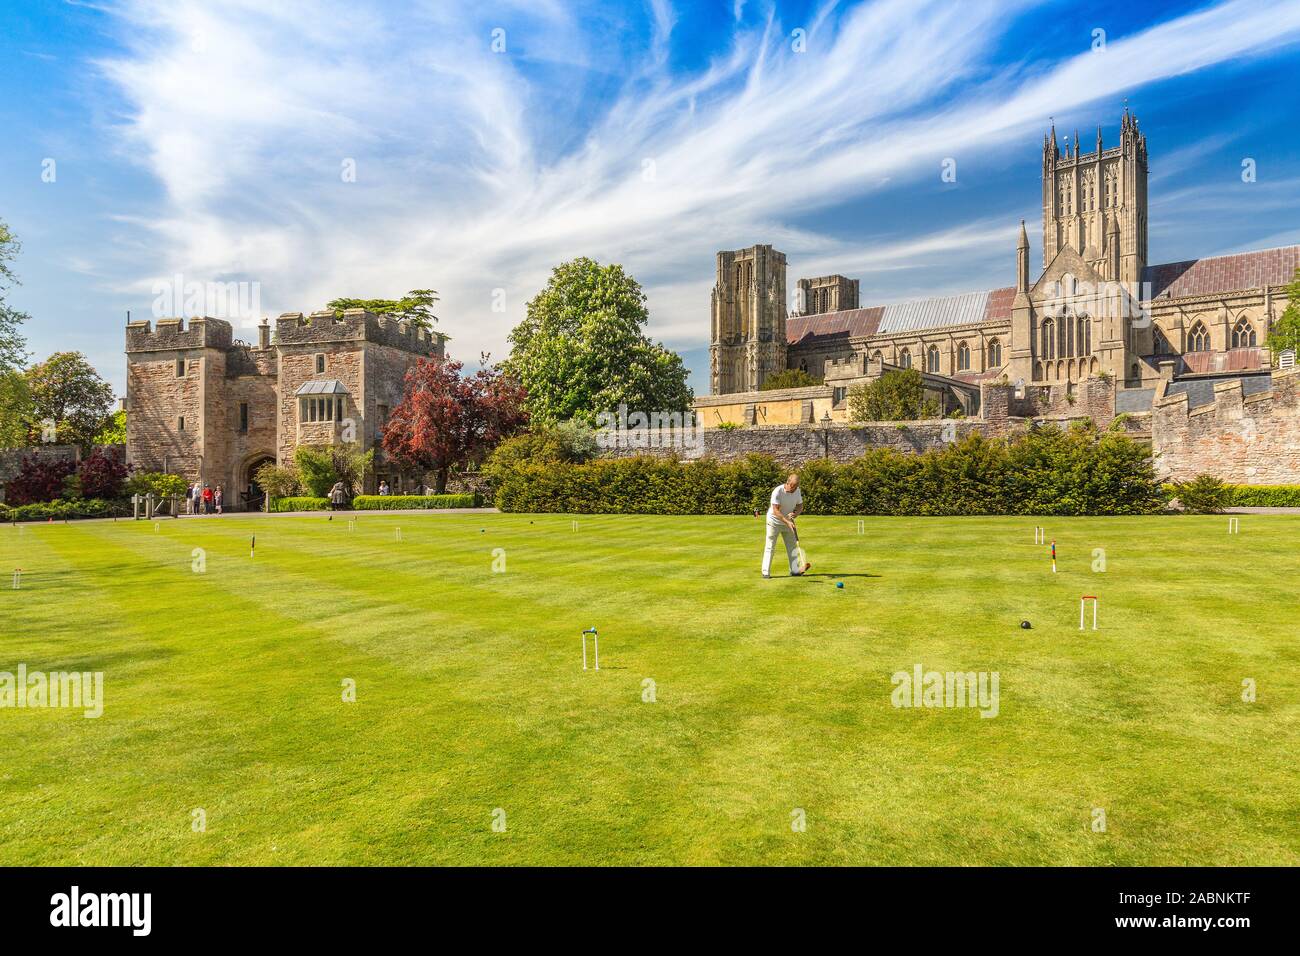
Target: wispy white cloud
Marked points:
479	170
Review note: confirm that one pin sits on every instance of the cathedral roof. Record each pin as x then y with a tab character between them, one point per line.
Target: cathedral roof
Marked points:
914	316
1245	270
850	322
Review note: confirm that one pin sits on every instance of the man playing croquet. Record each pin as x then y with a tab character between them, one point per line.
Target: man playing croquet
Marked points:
786	505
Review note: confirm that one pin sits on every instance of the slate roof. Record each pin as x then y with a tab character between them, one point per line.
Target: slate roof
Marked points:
914	316
850	322
325	386
1200	391
1233	360
1245	270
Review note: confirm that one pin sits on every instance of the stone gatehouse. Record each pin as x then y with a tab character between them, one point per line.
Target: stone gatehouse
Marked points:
207	406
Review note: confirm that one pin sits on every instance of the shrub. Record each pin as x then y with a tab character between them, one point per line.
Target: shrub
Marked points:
159	483
898	395
411	502
321	466
1204	494
101	475
61	509
1264	496
301	503
790	378
39	479
729	426
278	481
1045	471
567	442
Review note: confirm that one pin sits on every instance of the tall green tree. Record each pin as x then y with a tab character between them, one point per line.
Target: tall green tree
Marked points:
581	350
415	307
66	390
13	347
1285	333
15	409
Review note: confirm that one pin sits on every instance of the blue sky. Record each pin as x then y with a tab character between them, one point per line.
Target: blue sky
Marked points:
212	141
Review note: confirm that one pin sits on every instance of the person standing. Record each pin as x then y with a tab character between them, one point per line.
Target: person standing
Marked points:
207	499
218	499
786	504
337	495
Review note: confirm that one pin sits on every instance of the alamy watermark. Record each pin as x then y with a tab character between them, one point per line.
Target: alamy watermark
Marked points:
179	297
75	689
649	430
977	690
1121	300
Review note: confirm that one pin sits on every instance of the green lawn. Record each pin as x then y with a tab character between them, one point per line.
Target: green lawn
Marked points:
223	691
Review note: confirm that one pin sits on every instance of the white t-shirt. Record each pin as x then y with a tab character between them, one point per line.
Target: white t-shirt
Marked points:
786	500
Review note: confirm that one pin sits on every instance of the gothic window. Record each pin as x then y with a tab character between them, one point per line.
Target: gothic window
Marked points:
1083	338
1067	336
905	359
995	354
1047	343
932	359
1243	334
1198	340
320	364
878	356
1162	344
963	357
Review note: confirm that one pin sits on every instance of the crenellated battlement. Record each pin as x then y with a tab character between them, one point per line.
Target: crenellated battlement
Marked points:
355	325
173	333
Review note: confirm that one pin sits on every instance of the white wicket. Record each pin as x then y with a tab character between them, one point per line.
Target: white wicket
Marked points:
18	576
1234	526
398	533
595	641
1093	599
862	526
574	526
1040	535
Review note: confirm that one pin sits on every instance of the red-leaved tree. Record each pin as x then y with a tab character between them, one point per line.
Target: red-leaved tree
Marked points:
39	479
445	418
102	474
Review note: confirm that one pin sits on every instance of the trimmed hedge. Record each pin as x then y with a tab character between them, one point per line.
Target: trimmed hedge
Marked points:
412	502
1264	496
303	503
64	508
1048	471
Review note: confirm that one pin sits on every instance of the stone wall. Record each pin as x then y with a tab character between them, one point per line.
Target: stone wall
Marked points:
1245	439
797	444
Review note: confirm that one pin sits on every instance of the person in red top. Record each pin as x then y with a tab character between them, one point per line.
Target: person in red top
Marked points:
207	499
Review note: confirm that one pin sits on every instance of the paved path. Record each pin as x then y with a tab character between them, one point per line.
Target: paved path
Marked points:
1263	511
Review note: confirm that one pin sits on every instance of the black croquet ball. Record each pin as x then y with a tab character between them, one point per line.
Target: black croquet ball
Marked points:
1025	625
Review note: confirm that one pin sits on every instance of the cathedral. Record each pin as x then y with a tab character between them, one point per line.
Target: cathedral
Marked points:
1097	309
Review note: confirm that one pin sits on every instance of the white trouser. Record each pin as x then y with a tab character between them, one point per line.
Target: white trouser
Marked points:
791	547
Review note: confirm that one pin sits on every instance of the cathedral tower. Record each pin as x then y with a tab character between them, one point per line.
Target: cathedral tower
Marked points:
1093	200
747	341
